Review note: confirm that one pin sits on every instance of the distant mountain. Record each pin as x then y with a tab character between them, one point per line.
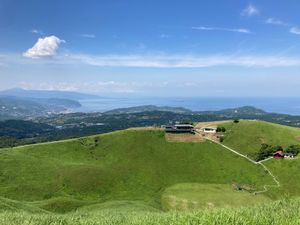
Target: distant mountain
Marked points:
57	102
238	112
149	108
69	125
12	107
233	112
19	92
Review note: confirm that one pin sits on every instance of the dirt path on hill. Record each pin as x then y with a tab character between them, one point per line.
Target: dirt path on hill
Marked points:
275	179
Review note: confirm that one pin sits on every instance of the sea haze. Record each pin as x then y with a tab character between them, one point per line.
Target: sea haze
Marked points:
286	105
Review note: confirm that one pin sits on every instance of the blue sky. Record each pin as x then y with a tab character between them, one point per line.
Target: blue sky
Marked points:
152	48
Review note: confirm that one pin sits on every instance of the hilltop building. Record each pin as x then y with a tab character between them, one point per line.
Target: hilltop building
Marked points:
180	128
210	130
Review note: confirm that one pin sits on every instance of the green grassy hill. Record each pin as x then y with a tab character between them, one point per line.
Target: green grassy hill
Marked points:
131	165
247	136
193	196
135	176
276	213
287	172
8	205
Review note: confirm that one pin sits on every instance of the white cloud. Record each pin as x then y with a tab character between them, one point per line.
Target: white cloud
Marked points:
88	35
164	36
2	58
250	10
295	30
161	60
184	61
44	47
96	86
238	30
35	31
292	29
274	21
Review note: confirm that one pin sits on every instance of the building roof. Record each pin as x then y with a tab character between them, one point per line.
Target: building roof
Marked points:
211	128
180	128
280	153
184	125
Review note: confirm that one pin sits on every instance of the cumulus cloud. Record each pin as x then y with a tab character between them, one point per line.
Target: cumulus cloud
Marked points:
295	30
44	47
88	35
238	30
250	10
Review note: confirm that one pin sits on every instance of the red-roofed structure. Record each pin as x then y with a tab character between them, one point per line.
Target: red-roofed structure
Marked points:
278	155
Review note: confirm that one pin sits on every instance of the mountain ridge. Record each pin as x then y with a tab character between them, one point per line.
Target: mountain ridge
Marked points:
19	92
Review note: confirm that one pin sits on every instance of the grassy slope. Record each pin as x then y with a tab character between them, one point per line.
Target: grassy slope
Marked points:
7	205
287	172
127	165
247	136
276	213
198	196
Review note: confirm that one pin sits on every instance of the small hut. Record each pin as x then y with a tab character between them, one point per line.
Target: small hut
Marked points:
278	155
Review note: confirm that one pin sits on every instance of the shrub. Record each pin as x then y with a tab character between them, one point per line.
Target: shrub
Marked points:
221	139
236	121
294	149
266	151
221	129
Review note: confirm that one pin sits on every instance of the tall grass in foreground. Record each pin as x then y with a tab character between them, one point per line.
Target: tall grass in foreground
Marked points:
285	212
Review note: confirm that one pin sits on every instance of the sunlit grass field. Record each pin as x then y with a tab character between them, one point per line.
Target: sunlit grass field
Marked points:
247	136
285	212
134	165
138	177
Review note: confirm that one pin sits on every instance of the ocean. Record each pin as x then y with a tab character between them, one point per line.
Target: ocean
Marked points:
286	105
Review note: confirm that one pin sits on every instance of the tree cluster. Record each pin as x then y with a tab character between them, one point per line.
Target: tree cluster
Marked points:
267	151
294	149
221	129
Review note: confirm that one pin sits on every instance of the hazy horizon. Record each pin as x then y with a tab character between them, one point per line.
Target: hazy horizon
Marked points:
147	95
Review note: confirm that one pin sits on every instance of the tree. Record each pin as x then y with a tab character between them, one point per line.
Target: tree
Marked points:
294	149
236	121
221	129
266	151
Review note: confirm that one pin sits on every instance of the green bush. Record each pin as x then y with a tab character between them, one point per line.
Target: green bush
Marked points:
294	149
266	151
221	129
221	139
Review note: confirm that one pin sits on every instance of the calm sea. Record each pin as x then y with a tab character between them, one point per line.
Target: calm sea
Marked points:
287	105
